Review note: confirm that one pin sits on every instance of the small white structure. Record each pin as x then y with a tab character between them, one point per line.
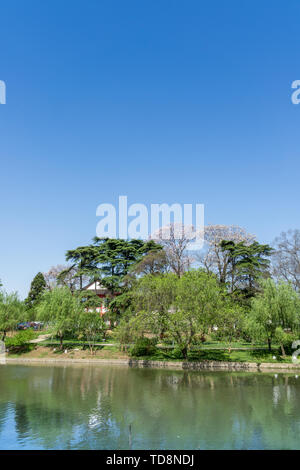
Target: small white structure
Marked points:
101	292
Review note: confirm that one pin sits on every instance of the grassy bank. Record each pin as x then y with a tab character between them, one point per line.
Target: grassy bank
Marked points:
78	350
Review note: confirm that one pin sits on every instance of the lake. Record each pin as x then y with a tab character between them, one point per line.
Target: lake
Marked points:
116	407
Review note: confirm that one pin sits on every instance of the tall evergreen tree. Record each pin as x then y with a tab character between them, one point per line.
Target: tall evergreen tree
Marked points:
114	258
83	259
247	265
108	259
36	291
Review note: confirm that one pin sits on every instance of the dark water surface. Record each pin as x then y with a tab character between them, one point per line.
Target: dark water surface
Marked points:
94	407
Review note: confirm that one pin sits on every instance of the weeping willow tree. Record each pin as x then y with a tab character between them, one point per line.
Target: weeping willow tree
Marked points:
61	310
183	308
275	313
11	312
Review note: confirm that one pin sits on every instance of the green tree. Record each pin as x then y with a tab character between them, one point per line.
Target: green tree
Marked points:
11	312
274	311
83	263
155	262
36	291
61	310
108	260
199	300
119	306
64	275
247	264
91	327
115	257
128	331
230	322
90	299
154	296
183	307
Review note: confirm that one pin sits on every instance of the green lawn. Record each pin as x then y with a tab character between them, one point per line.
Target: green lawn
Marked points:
257	356
210	350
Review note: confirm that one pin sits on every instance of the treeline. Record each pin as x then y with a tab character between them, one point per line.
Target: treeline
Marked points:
235	288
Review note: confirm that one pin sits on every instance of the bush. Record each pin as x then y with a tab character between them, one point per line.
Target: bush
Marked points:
285	340
128	331
216	335
20	342
177	353
199	339
143	347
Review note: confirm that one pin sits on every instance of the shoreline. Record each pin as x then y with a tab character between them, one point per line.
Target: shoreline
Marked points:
180	365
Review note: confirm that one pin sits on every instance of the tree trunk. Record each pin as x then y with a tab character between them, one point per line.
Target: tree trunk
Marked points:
184	352
282	350
61	342
269	345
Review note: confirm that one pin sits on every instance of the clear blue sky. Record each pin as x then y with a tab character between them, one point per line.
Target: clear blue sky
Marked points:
163	101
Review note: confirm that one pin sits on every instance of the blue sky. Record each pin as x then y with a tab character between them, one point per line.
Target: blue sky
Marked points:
162	101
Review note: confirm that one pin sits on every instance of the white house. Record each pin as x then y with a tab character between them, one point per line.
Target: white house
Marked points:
101	292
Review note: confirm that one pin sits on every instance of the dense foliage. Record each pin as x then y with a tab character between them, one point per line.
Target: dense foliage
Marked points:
109	259
61	310
155	296
11	312
183	309
37	289
275	314
20	342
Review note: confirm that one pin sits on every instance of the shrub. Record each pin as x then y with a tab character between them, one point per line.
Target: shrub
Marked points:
285	340
198	339
177	353
143	347
20	342
216	335
128	331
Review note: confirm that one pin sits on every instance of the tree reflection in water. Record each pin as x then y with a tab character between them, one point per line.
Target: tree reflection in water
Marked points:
114	407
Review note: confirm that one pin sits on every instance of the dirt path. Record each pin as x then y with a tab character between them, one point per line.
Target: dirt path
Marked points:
40	339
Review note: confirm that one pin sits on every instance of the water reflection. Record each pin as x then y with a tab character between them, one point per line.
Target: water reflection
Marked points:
93	407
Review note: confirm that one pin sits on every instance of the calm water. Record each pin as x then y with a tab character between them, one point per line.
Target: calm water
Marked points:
94	407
